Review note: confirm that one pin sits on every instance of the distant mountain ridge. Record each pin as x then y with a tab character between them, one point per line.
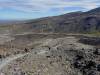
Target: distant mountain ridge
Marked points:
9	21
75	22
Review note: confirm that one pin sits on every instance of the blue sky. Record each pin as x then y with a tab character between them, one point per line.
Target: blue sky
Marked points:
30	9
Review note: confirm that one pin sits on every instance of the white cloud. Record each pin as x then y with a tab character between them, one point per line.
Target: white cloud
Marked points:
47	5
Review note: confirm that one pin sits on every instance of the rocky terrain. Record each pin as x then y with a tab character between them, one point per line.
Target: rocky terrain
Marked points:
49	54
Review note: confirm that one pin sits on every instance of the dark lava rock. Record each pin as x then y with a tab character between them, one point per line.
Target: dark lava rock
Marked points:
97	51
79	57
91	73
89	65
98	67
77	64
90	40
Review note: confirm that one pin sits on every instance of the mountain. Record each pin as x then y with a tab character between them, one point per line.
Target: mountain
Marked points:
94	11
74	22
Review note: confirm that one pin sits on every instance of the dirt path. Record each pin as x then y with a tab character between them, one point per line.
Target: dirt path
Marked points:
7	60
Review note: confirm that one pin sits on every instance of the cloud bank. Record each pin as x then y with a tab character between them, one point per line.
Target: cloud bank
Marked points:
47	5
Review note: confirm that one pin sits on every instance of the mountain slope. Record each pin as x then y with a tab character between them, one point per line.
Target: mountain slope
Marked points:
75	22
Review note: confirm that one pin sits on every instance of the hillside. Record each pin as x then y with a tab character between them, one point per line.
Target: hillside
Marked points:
77	22
74	22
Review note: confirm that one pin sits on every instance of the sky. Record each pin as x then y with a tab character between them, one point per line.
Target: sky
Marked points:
31	9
